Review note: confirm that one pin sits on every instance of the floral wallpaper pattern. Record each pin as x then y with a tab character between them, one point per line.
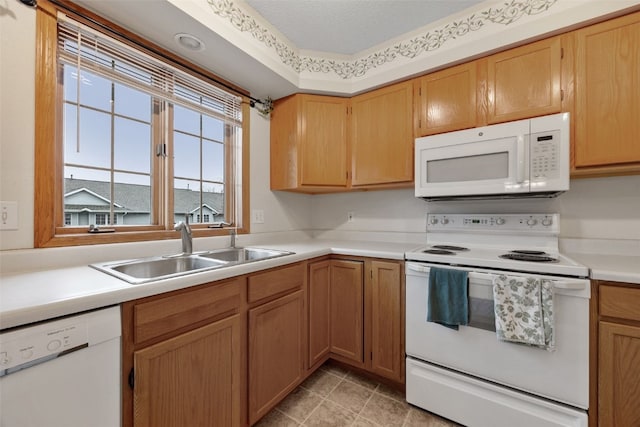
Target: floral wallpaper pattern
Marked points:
510	12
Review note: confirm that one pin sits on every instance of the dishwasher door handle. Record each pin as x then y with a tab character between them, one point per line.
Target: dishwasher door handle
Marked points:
43	359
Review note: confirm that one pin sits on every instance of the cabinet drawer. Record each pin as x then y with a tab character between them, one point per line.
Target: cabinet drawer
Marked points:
620	302
274	282
172	313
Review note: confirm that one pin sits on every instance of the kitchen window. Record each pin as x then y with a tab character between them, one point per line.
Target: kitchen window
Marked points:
140	141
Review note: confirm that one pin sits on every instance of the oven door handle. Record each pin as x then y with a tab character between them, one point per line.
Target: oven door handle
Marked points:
486	279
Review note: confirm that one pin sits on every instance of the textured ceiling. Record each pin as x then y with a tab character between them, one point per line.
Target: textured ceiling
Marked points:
351	26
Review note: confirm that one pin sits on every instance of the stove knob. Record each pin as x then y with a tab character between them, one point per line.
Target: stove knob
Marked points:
547	222
500	221
433	220
445	221
532	221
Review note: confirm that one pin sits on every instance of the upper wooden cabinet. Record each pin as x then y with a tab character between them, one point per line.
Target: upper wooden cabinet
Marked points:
515	84
607	97
313	152
524	82
382	136
309	144
446	100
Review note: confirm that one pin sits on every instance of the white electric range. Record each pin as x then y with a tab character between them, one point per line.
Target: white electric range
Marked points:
468	375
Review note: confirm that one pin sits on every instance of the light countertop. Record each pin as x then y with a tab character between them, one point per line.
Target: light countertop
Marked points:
28	297
616	268
32	296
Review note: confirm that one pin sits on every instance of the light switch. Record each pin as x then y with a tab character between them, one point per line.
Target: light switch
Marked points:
8	215
257	216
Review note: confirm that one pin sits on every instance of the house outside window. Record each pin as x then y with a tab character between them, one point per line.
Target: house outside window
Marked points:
139	137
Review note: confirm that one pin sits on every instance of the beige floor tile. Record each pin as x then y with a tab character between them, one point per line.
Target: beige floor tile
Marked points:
363	422
361	380
334	369
390	392
385	411
419	418
321	382
299	404
330	414
350	395
276	418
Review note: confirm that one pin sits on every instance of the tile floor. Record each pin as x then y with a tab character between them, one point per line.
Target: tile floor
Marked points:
335	397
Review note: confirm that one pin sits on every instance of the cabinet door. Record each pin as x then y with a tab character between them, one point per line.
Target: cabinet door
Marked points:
276	352
323	148
382	136
192	379
607	93
385	294
447	100
524	82
319	311
619	375
347	309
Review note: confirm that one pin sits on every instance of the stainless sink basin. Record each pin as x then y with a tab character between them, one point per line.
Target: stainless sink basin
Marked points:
242	255
149	269
156	268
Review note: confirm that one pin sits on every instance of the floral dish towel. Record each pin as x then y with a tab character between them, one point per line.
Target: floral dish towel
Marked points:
524	310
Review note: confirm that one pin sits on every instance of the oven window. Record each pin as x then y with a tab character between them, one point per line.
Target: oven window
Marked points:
481	314
469	168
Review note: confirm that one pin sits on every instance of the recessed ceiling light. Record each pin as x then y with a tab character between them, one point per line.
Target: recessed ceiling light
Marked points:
189	41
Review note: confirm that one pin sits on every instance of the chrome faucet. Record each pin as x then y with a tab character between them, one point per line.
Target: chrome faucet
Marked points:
185	234
232	234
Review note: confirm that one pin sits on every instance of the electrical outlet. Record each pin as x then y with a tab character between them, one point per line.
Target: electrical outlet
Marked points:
8	215
257	216
351	216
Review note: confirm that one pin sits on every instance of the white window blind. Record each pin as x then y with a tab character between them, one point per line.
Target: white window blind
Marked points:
81	46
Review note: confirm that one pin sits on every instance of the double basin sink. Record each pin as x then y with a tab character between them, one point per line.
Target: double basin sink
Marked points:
156	268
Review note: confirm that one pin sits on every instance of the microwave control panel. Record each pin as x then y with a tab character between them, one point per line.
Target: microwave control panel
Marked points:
545	155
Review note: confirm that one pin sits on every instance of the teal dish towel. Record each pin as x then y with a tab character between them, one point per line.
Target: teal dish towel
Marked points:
448	297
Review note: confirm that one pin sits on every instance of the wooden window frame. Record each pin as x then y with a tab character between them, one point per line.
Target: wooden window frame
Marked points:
49	230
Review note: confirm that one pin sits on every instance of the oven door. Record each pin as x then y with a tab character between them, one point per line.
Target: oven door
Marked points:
561	375
483	161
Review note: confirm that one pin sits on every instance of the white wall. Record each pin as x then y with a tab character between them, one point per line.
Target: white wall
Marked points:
282	211
596	208
17	120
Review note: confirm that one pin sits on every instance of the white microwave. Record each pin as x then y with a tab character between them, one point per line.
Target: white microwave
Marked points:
525	158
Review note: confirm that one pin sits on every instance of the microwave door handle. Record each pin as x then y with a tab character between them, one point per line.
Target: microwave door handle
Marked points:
520	154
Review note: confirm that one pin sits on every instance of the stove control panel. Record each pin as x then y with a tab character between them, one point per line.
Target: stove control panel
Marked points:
525	223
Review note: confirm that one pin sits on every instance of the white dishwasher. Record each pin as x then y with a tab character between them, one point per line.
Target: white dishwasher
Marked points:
62	373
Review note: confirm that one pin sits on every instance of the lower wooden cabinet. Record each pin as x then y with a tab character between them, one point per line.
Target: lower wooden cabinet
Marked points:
192	379
276	351
346	308
226	353
277	336
319	296
385	296
618	355
183	357
365	316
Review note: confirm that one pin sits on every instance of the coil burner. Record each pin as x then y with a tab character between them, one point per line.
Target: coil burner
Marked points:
450	248
531	256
